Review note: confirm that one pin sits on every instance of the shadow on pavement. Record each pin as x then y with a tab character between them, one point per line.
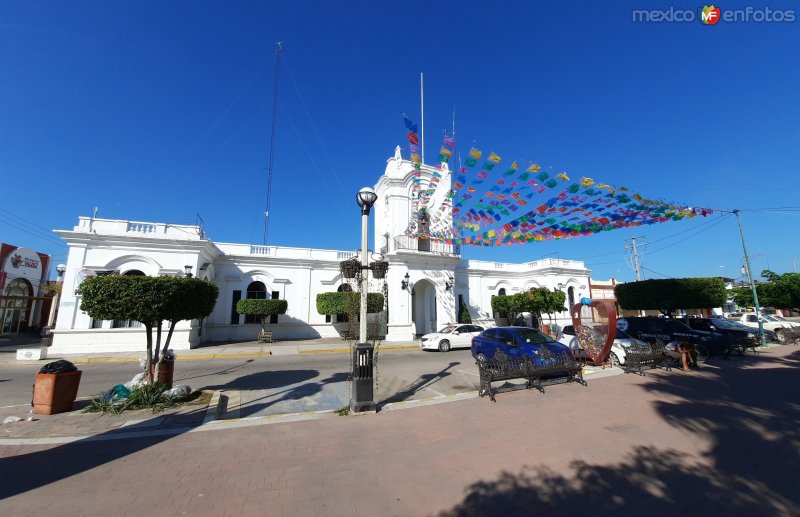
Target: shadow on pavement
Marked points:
266	380
747	410
424	381
33	470
297	393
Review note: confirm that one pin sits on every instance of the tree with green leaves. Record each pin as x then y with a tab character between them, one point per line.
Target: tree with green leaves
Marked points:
463	313
668	295
150	300
349	303
262	308
781	292
536	301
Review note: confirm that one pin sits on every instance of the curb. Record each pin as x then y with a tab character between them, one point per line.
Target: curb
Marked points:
196	357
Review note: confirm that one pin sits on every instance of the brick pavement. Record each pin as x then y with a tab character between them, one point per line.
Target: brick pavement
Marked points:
722	439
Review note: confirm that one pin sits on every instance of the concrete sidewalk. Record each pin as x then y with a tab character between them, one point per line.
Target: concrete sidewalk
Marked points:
210	351
721	440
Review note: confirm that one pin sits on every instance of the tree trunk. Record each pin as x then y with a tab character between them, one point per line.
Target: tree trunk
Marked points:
169	338
148	363
158	342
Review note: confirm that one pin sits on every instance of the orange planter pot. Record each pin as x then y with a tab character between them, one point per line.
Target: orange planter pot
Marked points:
55	392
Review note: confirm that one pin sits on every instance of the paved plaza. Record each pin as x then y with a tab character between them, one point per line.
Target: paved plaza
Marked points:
725	438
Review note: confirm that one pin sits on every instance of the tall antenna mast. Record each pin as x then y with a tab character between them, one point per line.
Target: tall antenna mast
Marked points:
272	141
422	117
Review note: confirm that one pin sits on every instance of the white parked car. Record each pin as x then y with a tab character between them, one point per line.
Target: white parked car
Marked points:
617	354
451	336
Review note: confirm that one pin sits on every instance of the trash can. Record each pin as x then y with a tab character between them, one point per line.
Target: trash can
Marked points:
165	373
56	388
361	400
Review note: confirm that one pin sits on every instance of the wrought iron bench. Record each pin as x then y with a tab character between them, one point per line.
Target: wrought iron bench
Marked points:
742	345
645	356
546	367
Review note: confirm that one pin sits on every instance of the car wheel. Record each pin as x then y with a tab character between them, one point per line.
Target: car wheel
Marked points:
702	354
612	357
781	336
480	357
444	346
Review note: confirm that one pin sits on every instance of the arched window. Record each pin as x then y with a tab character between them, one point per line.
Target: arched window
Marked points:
571	297
259	291
134	272
15	306
502	292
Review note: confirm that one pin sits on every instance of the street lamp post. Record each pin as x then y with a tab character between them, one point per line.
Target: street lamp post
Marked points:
361	399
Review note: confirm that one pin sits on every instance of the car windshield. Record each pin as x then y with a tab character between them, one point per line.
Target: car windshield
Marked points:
769	318
531	336
726	324
448	329
676	326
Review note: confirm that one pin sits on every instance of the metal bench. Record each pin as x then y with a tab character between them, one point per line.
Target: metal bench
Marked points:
643	356
547	367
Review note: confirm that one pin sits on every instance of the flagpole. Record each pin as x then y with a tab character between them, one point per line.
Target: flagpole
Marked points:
422	118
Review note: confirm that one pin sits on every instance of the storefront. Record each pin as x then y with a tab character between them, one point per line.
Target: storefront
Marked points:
23	275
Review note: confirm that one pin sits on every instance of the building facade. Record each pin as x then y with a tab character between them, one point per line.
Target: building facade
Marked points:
23	274
425	285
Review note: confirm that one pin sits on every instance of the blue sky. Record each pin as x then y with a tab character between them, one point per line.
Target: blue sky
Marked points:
158	111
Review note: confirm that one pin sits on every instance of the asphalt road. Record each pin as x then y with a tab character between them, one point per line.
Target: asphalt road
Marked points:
400	375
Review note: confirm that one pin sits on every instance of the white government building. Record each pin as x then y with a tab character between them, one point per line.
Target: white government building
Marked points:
438	279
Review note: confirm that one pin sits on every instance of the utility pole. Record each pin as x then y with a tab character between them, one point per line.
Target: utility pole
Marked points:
633	247
752	282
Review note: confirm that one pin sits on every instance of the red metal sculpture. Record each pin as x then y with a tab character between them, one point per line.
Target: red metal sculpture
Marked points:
590	338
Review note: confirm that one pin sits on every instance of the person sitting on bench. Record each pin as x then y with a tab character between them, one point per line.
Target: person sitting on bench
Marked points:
683	350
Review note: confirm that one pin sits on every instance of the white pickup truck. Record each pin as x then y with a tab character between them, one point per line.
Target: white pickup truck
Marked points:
786	330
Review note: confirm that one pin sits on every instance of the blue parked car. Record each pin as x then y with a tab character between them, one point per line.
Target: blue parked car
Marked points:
514	342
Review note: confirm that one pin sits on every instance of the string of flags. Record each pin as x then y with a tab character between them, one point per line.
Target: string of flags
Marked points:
487	207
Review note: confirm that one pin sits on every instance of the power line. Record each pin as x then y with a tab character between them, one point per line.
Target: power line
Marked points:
718	221
30	232
656	272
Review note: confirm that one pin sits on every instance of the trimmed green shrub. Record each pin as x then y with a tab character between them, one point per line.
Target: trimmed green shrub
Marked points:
347	303
463	313
671	293
262	308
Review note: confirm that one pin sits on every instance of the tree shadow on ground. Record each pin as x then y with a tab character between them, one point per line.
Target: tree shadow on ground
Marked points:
294	394
25	472
746	411
265	380
424	381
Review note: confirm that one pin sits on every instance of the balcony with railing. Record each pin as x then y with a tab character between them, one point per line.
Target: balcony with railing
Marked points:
281	252
409	243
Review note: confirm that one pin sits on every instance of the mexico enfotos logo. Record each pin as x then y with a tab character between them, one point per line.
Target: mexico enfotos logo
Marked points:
711	15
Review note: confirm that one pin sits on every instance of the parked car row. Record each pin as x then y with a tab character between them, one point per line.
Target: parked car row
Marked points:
711	336
514	342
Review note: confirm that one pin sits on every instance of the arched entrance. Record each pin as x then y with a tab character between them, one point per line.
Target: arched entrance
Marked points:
423	307
16	306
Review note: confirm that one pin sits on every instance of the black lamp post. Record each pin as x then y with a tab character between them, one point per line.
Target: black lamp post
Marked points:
187	270
361	398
